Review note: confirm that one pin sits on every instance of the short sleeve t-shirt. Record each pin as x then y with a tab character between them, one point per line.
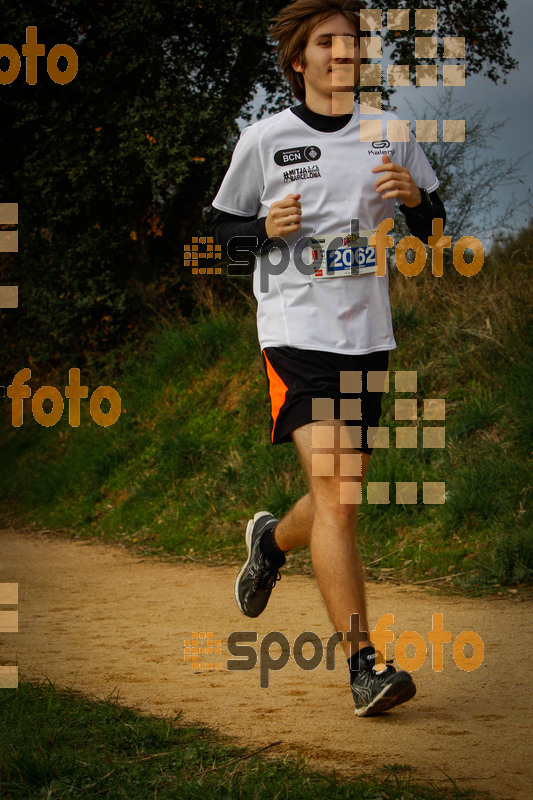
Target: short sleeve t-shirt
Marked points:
333	173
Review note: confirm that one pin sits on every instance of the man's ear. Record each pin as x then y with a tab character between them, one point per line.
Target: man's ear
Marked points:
296	64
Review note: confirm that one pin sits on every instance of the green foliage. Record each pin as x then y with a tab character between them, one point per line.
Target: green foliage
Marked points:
112	171
55	742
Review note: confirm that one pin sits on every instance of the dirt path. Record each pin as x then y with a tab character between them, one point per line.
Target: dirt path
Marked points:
95	617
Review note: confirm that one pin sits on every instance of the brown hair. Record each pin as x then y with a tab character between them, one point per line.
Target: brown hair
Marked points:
294	23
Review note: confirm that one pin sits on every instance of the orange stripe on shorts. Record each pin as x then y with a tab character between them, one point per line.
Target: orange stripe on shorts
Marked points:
277	391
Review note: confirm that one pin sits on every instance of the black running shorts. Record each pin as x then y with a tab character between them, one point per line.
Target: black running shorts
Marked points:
295	377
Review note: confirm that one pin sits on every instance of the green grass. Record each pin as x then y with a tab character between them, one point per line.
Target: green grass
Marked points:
57	743
189	460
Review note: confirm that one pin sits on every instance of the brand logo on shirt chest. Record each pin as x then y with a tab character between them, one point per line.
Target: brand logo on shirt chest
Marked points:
297	155
380	148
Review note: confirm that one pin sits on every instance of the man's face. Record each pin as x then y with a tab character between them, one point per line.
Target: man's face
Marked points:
319	61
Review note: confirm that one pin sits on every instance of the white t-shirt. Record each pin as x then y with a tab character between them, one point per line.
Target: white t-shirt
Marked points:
332	171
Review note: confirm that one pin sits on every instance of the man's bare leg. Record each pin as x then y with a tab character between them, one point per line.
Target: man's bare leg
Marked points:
294	529
336	562
329	527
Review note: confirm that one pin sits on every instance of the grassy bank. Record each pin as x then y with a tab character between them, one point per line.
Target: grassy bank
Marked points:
58	743
189	459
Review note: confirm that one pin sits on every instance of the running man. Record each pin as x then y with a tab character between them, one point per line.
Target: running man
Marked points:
304	172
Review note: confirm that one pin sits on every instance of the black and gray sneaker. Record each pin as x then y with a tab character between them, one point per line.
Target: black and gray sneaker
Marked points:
258	576
374	692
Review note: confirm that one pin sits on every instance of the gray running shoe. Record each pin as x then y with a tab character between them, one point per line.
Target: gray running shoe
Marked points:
258	576
374	692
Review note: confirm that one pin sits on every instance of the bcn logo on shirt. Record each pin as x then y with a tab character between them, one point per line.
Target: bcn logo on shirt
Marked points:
297	155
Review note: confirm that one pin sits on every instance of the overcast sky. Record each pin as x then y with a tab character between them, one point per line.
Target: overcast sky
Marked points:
512	101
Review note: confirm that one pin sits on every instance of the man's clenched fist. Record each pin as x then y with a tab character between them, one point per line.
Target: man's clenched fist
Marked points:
284	216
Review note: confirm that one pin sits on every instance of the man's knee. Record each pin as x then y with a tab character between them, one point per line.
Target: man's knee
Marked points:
336	499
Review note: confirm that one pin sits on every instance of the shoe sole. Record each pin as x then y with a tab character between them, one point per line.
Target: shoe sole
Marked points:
248	539
388	698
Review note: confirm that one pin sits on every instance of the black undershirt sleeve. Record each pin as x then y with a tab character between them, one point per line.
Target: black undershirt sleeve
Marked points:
419	219
226	226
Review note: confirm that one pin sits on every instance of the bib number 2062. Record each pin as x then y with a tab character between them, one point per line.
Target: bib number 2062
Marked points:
350	259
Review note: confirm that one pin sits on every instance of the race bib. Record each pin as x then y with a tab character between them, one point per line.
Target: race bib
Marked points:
342	255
